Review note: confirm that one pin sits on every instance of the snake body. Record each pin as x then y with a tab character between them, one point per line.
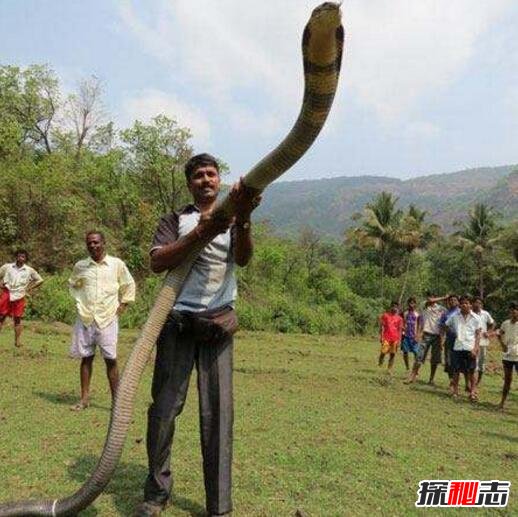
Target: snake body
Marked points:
322	45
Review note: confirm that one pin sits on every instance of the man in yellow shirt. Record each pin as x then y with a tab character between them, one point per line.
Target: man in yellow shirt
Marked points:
102	286
17	279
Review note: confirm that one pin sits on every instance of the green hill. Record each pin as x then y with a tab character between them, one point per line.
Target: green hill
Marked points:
326	205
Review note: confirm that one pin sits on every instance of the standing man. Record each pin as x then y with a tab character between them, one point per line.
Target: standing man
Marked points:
17	279
391	328
410	326
508	337
102	287
198	332
448	335
488	323
467	329
429	337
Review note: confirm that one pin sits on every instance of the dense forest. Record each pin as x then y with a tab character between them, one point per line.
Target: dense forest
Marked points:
65	169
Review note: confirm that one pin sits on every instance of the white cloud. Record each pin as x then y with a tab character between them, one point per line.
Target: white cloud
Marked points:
421	130
399	53
146	104
404	52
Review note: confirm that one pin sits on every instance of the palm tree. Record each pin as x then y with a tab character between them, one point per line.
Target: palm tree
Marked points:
479	236
415	235
380	228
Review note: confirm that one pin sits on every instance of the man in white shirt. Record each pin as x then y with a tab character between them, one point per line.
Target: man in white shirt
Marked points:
467	327
508	337
17	279
488	323
102	287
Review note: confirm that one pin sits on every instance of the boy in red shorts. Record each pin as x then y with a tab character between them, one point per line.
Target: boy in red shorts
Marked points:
391	329
16	280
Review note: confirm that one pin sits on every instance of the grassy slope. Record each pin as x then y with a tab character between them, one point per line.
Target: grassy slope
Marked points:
318	428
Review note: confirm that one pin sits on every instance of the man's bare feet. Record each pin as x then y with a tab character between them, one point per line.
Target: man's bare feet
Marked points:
80	406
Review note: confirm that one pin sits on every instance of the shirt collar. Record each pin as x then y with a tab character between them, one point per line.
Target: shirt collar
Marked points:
188	209
103	261
14	266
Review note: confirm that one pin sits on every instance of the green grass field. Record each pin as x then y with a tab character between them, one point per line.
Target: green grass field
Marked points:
319	429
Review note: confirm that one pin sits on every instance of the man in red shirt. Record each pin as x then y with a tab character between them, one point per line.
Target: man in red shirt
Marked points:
391	328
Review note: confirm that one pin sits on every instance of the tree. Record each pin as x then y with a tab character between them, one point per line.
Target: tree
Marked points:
310	243
29	100
84	111
479	235
414	235
379	229
155	155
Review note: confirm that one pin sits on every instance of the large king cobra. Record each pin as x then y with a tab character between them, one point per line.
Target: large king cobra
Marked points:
322	44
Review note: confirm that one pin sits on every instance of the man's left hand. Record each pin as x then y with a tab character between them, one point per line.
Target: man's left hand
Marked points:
244	199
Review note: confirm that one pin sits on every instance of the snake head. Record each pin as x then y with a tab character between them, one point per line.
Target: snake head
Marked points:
324	34
327	14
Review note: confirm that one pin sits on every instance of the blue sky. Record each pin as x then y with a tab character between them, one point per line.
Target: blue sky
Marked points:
427	86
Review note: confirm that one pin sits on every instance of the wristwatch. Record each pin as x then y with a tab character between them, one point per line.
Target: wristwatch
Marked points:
244	225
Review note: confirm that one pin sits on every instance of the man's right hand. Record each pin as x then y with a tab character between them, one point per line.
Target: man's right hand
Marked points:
209	227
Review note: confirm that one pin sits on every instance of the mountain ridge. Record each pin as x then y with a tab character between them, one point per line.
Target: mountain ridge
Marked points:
326	205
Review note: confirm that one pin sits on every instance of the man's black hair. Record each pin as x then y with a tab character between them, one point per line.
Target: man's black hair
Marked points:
453	296
477	298
412	299
465	297
197	161
429	294
95	232
394	302
22	251
513	305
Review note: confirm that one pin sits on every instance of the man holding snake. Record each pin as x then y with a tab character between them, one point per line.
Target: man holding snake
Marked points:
198	332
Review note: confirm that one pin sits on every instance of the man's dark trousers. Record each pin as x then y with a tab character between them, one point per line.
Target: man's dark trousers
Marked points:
178	350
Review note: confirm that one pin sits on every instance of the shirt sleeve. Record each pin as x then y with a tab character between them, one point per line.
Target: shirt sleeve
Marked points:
166	232
74	282
36	277
450	322
126	284
490	320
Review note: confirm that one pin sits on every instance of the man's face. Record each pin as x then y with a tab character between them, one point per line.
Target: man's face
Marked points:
465	306
514	314
204	184
95	246
477	305
412	305
394	309
21	259
453	302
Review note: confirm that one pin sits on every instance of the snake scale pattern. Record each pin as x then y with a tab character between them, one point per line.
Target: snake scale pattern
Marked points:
322	45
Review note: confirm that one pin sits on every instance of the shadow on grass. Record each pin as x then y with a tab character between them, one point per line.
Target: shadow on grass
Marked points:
126	487
67	399
509	438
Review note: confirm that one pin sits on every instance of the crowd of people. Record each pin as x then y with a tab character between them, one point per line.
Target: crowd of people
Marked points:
457	335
